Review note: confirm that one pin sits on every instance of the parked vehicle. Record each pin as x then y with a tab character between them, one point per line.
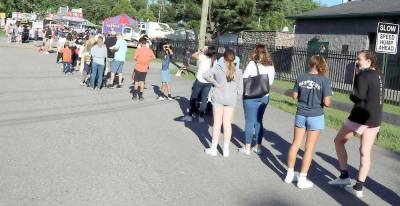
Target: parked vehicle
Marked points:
132	36
36	26
155	30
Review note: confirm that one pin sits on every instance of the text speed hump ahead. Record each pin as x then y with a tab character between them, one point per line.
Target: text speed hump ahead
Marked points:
387	38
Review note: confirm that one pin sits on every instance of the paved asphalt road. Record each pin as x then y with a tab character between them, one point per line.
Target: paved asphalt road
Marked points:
62	144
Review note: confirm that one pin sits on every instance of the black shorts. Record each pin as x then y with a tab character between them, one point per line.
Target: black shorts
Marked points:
139	76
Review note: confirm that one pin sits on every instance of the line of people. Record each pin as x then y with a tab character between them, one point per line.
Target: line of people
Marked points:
221	82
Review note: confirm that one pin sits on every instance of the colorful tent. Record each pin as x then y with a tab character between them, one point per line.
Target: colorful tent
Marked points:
116	23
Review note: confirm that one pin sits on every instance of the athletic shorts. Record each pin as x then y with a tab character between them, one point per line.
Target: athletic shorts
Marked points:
117	66
310	123
140	76
165	76
361	129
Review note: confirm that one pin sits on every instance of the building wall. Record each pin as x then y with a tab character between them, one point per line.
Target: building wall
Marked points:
269	38
284	39
353	32
341	26
336	41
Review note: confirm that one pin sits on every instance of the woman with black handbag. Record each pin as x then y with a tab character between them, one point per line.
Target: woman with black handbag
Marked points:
257	78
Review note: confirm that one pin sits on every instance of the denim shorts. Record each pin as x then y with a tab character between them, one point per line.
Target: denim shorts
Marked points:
117	66
165	76
310	123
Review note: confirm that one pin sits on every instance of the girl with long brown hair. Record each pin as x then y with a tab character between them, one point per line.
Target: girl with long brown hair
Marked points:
227	87
312	91
364	119
254	108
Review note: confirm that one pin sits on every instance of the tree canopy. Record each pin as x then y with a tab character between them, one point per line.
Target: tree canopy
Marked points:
224	15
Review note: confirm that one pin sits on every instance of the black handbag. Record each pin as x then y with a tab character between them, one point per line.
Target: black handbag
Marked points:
257	86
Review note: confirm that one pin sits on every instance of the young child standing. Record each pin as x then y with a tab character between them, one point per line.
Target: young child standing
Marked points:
312	91
67	59
165	74
143	57
86	69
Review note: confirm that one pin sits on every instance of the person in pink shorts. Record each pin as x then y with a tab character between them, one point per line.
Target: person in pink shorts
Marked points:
365	120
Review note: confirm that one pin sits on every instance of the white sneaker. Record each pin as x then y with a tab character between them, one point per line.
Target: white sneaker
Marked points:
290	177
244	151
160	98
354	192
256	150
304	183
225	152
201	119
210	151
187	118
340	182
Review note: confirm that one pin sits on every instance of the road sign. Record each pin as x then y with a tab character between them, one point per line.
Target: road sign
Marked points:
387	38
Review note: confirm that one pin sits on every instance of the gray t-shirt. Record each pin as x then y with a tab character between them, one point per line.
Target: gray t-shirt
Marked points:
311	90
225	93
99	54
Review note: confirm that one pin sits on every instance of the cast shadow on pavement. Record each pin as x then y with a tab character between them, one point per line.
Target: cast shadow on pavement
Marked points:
157	90
378	189
317	174
200	129
277	162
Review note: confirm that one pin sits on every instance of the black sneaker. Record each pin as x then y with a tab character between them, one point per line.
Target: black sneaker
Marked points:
119	86
141	98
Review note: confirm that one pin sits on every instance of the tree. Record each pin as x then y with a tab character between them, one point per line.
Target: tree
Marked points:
146	15
139	4
234	15
275	17
96	13
123	6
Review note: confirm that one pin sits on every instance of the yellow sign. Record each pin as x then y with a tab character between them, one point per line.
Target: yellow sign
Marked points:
2	15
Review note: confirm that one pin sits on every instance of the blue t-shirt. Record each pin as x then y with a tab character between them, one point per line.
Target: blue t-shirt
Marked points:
311	90
166	61
122	47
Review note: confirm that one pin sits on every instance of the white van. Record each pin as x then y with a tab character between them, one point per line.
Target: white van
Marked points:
36	25
156	30
131	36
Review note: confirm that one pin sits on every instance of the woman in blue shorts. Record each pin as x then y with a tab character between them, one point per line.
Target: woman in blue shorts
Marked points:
312	91
165	74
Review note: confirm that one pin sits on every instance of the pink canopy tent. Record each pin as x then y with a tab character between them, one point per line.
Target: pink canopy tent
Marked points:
116	23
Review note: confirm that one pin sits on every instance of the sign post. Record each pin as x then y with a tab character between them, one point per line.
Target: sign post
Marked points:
386	41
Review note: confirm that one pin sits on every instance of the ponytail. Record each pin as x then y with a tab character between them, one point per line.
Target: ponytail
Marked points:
230	75
229	57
